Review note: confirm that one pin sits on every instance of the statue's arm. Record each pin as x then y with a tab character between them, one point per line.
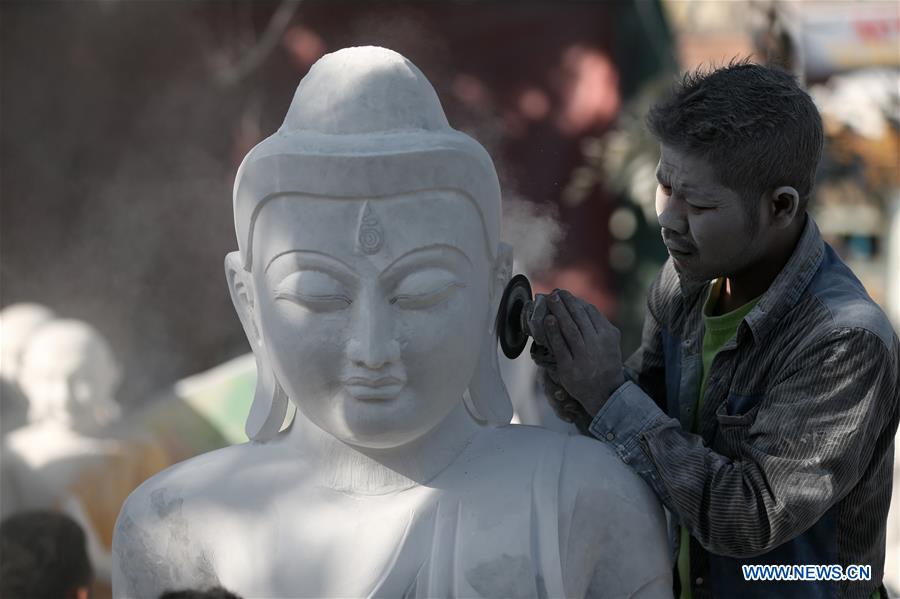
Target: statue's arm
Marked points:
616	539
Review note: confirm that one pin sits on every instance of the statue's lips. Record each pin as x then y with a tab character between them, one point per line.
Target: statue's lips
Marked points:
386	387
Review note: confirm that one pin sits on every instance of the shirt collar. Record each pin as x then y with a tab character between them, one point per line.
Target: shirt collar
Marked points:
785	290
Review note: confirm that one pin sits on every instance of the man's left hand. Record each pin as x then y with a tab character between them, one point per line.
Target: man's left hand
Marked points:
586	347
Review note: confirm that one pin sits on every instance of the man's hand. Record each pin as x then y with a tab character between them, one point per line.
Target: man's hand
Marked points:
585	346
564	405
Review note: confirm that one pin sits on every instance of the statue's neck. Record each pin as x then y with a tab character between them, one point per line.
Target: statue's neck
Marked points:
362	470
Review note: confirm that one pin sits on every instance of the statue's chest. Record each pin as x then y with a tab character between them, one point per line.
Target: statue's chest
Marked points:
352	544
421	545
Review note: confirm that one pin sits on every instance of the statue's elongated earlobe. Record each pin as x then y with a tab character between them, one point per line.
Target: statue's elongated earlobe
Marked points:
487	399
270	404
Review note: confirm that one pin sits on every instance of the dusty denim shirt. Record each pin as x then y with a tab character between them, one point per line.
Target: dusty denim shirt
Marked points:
794	456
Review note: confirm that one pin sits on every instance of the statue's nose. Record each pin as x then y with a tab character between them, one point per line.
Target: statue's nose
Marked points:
372	342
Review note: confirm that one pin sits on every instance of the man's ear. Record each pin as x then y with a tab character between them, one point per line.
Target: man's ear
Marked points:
241	289
503	265
784	203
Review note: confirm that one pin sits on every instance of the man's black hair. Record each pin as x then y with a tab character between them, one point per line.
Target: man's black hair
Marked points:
753	123
42	555
213	593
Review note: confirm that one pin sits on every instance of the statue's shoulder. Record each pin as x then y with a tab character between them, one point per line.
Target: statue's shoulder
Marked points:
166	530
526	438
585	464
594	466
604	511
518	441
213	474
606	506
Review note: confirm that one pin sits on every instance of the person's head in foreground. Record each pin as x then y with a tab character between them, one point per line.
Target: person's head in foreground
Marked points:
739	151
43	555
211	593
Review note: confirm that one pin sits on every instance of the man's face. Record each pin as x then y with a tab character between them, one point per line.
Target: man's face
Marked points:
705	225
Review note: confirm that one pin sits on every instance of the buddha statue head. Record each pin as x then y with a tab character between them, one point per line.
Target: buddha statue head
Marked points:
69	376
18	322
369	266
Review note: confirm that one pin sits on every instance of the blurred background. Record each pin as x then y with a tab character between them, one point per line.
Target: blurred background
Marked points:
122	124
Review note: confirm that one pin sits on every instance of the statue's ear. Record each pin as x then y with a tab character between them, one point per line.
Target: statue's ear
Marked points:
269	407
486	398
241	289
503	265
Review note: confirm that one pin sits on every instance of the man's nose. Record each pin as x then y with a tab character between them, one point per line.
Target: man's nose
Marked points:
373	344
671	215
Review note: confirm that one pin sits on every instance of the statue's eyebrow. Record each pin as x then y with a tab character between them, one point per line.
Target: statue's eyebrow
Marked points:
436	253
317	261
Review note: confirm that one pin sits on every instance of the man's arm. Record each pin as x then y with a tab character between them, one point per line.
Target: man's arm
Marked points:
588	358
809	443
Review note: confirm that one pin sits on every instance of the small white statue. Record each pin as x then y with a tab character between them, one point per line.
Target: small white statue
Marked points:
367	280
65	369
60	460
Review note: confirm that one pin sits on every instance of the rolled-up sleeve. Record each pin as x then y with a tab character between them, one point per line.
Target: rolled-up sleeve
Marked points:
806	447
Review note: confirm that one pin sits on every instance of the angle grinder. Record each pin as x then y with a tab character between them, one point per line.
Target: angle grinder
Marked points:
522	316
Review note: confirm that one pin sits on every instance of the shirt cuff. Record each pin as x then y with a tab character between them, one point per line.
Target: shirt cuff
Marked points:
621	423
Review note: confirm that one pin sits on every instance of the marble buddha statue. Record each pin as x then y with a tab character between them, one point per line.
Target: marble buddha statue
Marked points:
367	279
63	459
69	377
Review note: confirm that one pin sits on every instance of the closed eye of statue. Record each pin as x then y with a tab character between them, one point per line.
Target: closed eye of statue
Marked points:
314	290
425	288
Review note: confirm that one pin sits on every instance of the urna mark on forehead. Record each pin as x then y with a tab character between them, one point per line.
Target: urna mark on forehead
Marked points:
364	123
375	230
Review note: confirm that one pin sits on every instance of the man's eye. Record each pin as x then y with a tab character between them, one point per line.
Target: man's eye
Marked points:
425	289
314	290
696	208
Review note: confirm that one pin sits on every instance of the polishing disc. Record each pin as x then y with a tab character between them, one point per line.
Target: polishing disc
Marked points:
513	337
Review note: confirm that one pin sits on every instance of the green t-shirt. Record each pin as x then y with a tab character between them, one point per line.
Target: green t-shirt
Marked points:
718	330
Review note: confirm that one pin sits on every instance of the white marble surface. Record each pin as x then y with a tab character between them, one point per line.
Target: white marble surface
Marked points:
367	280
69	377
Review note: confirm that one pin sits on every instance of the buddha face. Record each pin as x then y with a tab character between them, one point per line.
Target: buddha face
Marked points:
69	375
372	313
